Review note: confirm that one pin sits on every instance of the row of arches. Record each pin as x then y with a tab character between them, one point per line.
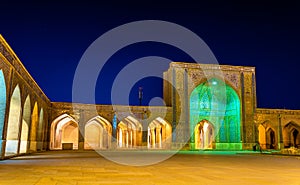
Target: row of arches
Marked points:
215	106
25	126
98	133
268	136
215	120
24	132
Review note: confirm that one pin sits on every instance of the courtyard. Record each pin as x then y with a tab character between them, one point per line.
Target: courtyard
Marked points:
190	167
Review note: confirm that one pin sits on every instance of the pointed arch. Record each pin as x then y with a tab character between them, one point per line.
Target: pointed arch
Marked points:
129	133
270	138
33	128
25	125
2	106
97	133
291	135
121	135
13	125
64	132
267	136
154	135
204	135
159	134
262	136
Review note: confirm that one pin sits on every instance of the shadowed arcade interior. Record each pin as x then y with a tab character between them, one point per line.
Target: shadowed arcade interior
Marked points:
98	132
291	135
267	137
159	134
64	132
204	135
129	133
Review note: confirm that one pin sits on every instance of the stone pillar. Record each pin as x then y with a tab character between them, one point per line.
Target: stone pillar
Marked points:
248	109
81	129
46	133
174	107
2	145
126	139
280	138
181	107
158	137
114	139
186	109
152	138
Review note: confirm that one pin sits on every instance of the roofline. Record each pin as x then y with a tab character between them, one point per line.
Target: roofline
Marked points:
10	50
211	66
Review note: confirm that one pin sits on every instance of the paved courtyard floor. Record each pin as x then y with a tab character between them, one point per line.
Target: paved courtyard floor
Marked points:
87	167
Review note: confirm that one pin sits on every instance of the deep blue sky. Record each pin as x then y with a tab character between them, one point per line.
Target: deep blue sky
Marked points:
50	39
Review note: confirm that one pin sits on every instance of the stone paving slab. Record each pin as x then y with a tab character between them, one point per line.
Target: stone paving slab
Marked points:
87	168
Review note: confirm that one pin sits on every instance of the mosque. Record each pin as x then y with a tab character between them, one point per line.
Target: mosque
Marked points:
208	107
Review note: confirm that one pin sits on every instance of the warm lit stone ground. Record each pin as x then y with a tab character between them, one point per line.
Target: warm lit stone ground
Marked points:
185	168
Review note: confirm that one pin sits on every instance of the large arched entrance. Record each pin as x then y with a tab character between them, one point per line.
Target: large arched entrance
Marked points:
219	105
97	133
2	106
25	126
14	117
64	133
204	135
159	134
129	133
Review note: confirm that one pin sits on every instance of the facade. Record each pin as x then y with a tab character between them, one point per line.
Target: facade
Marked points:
209	107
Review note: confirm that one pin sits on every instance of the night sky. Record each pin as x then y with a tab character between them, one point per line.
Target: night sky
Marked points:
50	38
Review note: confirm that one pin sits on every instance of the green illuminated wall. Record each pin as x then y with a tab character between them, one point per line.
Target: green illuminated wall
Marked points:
219	104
